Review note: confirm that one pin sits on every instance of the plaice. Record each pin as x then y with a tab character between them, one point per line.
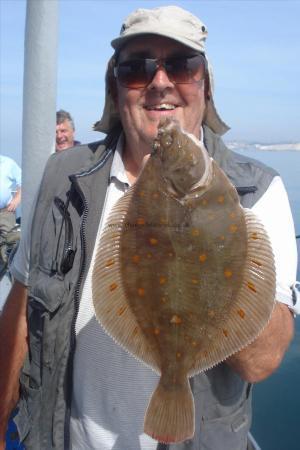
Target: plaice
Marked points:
183	277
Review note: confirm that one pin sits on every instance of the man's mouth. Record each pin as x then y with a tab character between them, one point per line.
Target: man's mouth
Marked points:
161	107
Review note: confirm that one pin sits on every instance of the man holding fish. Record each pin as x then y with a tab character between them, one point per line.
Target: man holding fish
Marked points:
132	229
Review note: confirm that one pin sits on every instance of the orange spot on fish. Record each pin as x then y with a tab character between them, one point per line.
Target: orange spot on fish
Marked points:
232	215
204	202
142	193
194	343
170	254
176	320
109	262
202	257
178	355
233	228
195	281
195	232
141	221
155	195
141	292
149	255
222	238
211	313
254	236
228	273
136	258
251	286
162	280
221	199
122	310
156	331
163	299
153	241
241	313
113	286
225	332
163	221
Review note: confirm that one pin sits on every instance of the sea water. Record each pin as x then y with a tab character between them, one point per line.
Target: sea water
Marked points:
276	401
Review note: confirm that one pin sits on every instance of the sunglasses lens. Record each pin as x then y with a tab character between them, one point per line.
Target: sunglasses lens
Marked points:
135	73
138	73
185	70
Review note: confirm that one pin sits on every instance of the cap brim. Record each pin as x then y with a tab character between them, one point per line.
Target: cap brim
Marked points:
119	42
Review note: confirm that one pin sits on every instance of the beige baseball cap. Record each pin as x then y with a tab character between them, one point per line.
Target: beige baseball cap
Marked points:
174	23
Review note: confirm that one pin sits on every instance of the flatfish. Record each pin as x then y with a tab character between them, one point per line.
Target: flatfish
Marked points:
184	276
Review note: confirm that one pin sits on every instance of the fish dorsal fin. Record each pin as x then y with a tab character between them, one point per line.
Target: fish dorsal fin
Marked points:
252	308
109	297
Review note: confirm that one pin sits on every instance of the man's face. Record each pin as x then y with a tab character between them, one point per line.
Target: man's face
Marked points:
64	136
141	109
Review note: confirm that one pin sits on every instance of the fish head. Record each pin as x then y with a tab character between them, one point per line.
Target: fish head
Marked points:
185	162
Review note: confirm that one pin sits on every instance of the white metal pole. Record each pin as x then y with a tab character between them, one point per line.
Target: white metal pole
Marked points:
39	96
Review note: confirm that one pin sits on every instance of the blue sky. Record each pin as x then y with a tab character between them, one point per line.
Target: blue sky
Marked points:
254	47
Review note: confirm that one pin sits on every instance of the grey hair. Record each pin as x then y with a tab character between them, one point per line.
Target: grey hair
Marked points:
63	115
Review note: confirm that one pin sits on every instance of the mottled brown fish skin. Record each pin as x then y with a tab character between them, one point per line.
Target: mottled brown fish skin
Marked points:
171	252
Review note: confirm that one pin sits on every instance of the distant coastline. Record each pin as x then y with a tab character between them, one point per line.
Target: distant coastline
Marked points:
236	145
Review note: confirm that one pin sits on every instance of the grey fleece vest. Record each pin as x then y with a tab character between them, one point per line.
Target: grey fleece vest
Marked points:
63	235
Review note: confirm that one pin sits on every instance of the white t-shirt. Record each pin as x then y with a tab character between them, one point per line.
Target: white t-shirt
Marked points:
111	388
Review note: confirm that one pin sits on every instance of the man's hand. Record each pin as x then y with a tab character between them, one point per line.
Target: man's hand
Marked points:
261	358
13	348
15	201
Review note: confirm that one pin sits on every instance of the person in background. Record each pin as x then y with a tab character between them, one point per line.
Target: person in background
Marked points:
10	193
77	388
65	131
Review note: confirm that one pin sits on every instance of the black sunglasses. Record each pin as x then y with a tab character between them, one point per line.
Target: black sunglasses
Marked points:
138	73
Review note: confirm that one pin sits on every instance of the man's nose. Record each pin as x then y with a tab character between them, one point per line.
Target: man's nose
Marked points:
160	79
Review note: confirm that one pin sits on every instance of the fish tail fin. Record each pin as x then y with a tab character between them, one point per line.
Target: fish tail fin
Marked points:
170	416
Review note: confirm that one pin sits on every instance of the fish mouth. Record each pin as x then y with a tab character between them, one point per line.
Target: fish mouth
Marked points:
161	107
